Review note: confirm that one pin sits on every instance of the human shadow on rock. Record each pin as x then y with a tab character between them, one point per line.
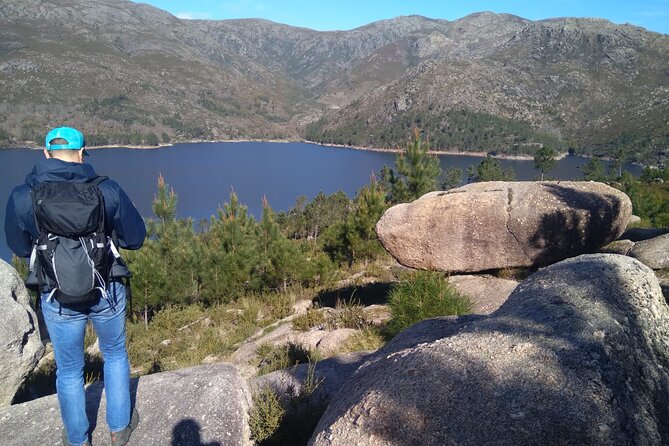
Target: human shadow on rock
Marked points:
187	433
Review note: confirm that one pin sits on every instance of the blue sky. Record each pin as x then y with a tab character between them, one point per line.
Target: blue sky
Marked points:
348	14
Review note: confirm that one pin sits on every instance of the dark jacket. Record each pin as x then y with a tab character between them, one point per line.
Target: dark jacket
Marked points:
120	213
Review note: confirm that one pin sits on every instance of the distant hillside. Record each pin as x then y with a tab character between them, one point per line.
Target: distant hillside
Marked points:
133	74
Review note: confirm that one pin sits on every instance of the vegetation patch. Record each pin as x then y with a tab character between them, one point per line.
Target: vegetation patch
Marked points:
273	358
424	295
312	318
368	339
291	420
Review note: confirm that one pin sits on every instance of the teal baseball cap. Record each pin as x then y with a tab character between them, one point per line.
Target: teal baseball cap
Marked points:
75	139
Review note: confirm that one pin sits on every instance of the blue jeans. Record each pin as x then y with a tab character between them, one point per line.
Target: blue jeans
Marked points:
66	326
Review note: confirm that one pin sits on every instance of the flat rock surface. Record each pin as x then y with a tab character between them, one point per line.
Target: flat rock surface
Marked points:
493	225
198	406
485	292
578	354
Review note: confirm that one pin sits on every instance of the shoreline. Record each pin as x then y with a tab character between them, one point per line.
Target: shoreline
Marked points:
479	154
436	152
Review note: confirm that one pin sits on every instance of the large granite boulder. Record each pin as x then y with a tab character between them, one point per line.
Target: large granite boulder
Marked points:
189	407
578	354
653	252
20	344
483	226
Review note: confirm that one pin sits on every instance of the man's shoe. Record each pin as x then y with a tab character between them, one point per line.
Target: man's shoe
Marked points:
122	437
66	441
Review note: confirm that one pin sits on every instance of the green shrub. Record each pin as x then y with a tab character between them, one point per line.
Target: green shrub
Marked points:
349	315
290	420
280	357
280	304
265	415
424	295
312	318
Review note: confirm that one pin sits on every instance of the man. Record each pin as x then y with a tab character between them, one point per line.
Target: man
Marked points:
66	322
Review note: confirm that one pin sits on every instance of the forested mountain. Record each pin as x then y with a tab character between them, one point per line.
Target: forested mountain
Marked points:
131	73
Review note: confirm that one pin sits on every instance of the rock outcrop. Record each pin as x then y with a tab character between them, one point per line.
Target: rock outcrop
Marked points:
20	344
653	252
492	225
189	407
578	354
324	338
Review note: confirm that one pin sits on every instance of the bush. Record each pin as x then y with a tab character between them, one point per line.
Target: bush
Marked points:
312	318
367	339
266	414
290	420
424	295
284	356
349	315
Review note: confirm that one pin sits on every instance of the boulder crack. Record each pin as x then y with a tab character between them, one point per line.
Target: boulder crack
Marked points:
509	208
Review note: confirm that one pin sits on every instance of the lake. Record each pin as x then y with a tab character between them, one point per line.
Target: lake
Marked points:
204	174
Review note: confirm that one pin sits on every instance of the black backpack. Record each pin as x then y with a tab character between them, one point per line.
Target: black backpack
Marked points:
73	253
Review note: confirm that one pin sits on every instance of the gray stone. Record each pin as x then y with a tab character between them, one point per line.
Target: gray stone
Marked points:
328	342
20	344
301	306
189	407
377	314
483	226
485	292
653	252
578	354
621	247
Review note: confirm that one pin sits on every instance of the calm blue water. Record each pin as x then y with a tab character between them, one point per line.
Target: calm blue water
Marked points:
204	174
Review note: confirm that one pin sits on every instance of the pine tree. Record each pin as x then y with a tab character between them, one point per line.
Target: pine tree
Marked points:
594	170
168	269
281	261
544	160
452	178
164	202
417	171
149	279
490	169
231	252
619	157
370	204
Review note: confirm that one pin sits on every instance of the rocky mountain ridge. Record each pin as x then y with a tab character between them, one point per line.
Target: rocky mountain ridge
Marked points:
123	71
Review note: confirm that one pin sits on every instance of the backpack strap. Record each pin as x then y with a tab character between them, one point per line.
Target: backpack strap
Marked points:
34	266
97	180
